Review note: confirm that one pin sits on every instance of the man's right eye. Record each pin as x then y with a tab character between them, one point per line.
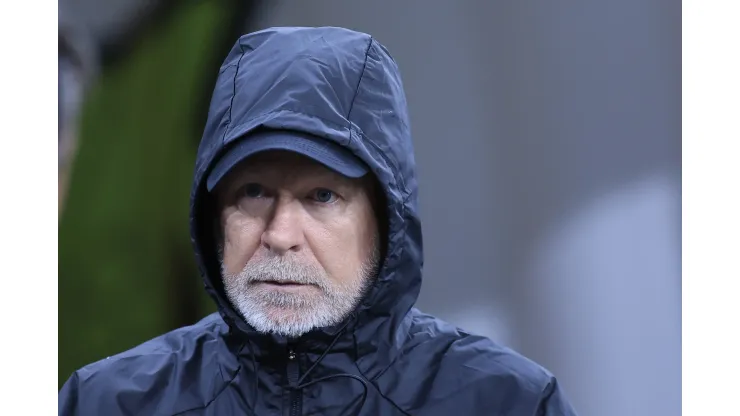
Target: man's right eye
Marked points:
252	190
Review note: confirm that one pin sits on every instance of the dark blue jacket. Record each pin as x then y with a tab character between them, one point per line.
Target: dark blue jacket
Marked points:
387	358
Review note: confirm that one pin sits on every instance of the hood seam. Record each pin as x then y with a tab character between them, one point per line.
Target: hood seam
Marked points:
359	80
233	95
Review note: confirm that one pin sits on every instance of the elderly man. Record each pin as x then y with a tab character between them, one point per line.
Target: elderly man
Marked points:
305	226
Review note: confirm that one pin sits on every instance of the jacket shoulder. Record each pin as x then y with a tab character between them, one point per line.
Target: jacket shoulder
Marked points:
155	377
461	370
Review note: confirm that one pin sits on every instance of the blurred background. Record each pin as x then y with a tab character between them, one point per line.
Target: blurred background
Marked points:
548	143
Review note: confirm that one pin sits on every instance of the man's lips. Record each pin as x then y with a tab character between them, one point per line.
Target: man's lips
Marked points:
283	283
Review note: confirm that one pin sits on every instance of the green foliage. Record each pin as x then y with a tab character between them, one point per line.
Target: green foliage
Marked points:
124	246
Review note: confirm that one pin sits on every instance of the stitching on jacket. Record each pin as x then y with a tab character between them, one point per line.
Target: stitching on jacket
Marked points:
359	81
233	94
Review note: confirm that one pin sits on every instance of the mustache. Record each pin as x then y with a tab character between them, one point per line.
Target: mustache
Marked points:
282	270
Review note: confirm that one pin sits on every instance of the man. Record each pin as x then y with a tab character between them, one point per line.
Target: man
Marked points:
305	226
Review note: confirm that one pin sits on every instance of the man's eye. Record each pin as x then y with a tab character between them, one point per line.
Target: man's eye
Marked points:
252	190
324	196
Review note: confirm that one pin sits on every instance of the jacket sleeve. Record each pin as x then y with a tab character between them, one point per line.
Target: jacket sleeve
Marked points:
554	402
68	397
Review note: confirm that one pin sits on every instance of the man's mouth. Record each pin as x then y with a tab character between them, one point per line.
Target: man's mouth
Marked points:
285	285
282	283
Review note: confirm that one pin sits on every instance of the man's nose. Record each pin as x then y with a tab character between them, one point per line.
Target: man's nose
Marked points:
284	231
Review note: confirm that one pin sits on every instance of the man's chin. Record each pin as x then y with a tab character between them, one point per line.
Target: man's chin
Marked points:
287	321
281	322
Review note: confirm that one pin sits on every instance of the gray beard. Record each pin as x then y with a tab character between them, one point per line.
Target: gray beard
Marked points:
294	314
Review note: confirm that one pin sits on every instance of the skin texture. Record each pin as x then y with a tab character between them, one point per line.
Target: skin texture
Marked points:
300	242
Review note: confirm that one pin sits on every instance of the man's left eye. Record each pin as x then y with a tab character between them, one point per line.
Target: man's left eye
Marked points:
324	196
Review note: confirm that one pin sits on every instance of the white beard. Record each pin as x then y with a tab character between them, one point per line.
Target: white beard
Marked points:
294	314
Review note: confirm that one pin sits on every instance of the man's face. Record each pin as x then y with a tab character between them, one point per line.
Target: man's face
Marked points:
300	242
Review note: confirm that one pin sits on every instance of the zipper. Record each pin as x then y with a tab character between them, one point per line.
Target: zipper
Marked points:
295	394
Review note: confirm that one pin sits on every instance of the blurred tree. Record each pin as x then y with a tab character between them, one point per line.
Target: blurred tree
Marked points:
126	269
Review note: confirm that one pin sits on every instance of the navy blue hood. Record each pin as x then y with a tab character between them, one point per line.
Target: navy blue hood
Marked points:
336	84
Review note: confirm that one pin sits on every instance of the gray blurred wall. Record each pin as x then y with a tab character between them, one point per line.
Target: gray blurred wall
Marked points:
548	140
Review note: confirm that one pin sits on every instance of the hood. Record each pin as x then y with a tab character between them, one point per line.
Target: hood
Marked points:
340	85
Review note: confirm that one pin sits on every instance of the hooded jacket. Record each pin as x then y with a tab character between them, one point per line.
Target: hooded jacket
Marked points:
386	358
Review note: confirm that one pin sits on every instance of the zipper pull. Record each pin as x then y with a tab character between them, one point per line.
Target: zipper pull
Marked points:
291	355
